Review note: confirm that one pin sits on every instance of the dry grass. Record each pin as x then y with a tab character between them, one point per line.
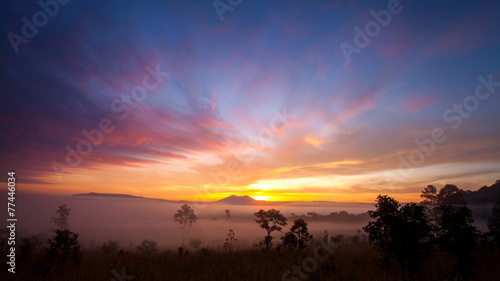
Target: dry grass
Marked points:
348	262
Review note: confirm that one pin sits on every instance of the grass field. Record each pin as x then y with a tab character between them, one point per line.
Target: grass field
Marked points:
346	262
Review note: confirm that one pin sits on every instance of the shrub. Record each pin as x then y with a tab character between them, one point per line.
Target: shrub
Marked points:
148	247
111	246
64	247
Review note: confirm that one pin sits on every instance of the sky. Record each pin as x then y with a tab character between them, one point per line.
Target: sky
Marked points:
278	100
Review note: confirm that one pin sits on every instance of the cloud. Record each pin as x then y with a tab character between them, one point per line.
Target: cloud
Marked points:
225	83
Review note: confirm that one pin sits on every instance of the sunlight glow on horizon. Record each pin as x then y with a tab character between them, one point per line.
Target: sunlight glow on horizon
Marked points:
261	198
340	188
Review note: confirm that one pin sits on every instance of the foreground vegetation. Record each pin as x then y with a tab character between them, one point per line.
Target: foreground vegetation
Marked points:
432	240
358	261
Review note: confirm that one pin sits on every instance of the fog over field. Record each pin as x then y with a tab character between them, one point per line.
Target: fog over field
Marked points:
133	220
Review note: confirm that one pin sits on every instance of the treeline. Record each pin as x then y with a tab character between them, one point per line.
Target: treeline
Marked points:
484	195
407	233
341	216
442	221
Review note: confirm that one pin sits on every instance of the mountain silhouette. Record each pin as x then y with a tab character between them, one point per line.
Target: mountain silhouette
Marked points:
123	196
109	195
240	200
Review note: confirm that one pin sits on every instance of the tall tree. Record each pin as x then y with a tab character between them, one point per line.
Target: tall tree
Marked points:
411	238
430	202
450	195
61	221
228	214
185	216
380	230
458	236
400	230
298	236
63	246
271	220
230	241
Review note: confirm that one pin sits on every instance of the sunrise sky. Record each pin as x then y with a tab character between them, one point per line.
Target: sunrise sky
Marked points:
262	103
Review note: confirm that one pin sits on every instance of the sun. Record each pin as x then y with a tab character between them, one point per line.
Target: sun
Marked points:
265	198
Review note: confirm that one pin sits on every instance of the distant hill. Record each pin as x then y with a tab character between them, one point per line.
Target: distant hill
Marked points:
109	195
117	195
484	195
240	200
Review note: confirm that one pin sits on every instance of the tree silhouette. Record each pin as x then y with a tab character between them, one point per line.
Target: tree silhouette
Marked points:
112	246
430	201
28	245
289	240
228	214
313	215
380	230
271	220
325	236
64	245
185	215
230	241
148	247
450	195
61	221
298	236
337	239
412	237
400	230
293	216
458	236
494	223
